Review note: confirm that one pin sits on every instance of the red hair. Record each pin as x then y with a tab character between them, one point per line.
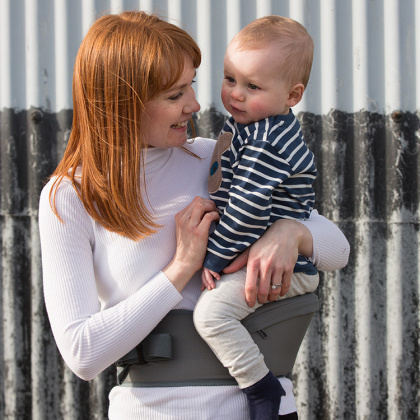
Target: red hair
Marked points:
123	62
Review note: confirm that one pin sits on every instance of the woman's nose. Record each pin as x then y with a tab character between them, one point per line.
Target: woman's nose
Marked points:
192	105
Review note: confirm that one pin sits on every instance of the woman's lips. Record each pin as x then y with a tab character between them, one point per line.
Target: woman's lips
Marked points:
180	125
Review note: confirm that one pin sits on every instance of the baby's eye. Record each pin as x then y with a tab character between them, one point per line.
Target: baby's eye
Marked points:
252	86
230	79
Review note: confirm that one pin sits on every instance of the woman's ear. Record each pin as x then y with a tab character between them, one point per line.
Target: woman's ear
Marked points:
295	95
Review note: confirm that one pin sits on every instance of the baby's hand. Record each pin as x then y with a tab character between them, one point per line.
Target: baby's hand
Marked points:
207	279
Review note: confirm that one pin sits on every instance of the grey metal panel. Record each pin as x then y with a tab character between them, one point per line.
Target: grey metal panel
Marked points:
366	52
361	356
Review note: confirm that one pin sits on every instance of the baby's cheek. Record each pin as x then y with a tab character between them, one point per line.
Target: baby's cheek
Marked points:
225	95
258	110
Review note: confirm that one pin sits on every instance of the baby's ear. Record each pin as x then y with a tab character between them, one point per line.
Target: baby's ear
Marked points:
295	95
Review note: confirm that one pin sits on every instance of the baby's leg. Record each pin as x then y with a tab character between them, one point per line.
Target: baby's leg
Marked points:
302	283
217	317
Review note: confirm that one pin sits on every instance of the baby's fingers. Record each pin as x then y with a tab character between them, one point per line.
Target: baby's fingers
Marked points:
207	280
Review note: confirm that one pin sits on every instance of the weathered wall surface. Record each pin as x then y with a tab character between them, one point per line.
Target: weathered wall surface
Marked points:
361	117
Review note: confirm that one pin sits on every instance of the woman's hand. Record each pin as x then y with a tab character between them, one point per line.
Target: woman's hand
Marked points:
192	232
271	260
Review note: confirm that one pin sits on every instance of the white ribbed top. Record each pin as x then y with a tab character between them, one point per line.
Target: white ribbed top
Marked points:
104	293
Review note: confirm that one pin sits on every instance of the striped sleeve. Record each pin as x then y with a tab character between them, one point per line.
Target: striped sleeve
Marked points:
268	174
247	212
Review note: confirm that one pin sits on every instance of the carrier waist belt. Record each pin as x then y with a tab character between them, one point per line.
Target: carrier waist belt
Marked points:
174	354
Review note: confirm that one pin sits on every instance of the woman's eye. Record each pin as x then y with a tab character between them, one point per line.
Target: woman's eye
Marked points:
176	97
179	94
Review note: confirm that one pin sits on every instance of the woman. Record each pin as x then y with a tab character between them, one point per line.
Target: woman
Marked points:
124	222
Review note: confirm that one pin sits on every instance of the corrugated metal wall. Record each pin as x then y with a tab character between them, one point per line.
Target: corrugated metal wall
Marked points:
360	115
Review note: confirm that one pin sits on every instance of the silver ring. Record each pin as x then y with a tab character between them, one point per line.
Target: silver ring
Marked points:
274	286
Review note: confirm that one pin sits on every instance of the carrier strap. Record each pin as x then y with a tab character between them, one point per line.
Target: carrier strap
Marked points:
174	354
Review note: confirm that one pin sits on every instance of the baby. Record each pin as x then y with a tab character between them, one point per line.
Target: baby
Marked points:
261	171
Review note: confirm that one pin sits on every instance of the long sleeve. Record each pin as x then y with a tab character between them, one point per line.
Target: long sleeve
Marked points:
331	249
91	339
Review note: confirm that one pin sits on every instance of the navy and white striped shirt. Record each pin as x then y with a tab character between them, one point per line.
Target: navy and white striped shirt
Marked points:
266	174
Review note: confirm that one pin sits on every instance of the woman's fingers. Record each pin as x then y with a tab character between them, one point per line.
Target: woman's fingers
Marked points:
264	284
251	283
286	281
239	262
198	208
192	229
276	287
198	211
268	265
192	232
280	284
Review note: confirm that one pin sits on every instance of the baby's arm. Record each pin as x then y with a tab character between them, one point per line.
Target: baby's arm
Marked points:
246	215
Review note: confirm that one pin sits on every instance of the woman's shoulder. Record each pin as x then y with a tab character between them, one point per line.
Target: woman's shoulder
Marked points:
62	197
201	146
61	190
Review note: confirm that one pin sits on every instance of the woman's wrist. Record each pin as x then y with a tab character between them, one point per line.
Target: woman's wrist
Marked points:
306	243
298	233
178	274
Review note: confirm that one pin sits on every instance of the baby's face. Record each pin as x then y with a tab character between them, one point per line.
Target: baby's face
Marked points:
253	88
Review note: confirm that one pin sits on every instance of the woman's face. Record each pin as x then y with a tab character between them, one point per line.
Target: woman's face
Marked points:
167	116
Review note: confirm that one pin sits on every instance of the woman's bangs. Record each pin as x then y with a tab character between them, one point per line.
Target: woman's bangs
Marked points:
171	65
173	68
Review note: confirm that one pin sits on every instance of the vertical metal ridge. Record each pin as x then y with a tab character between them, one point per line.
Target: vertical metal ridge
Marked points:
205	87
360	115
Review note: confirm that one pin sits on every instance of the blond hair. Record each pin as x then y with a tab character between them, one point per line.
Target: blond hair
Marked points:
123	62
291	39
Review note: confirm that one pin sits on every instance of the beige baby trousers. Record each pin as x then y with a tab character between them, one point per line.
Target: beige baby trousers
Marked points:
217	317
